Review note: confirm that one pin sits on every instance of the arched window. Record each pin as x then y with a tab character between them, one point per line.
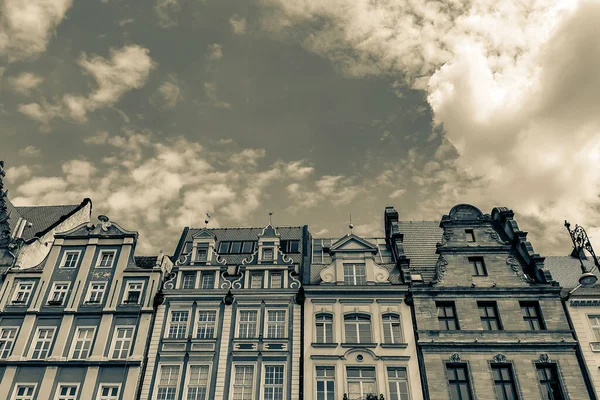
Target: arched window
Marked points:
324	328
358	328
391	328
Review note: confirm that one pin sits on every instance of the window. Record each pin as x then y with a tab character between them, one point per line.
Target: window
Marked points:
202	254
355	274
198	383
189	281
478	266
58	294
532	315
7	340
133	292
447	318
96	292
248	247
267	255
106	259
290	246
235	248
243	382
275	280
206	324
70	259
361	382
66	392
276	324
208	280
488	312
391	328
595	325
43	342
109	392
358	329
167	384
247	325
123	337
273	382
504	382
325	383
470	235
398	382
178	325
458	382
324	325
22	293
548	377
83	343
24	392
223	247
256	279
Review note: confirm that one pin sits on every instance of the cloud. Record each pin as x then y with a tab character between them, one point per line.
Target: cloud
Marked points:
30	151
26	26
215	51
25	82
124	22
238	24
15	174
210	91
167	12
170	93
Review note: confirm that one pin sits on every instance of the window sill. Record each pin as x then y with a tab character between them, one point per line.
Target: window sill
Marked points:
325	345
365	345
394	345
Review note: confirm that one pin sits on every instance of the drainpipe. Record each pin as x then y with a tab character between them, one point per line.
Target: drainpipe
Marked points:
409	300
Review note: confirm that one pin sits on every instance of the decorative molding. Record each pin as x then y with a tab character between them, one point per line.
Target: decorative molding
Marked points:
447	236
293	282
515	265
455	358
585	303
382	275
440	269
328	274
494	236
225	283
544	358
500	358
170	281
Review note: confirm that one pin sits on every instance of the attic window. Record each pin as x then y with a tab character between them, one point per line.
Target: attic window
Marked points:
202	254
237	247
290	246
267	254
470	235
416	277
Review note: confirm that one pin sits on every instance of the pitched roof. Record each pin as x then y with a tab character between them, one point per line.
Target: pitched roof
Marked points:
420	239
566	270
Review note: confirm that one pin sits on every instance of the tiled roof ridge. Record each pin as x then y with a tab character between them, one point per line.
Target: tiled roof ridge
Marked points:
248	227
49	205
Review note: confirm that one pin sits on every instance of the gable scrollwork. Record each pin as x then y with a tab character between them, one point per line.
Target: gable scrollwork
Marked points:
515	265
225	283
440	269
494	236
381	274
170	281
328	274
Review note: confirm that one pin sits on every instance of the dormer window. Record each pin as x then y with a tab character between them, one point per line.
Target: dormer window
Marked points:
236	247
290	246
355	274
247	247
133	293
470	235
202	254
267	255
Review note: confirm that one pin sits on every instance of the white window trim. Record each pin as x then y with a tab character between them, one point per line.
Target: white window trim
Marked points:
202	274
399	340
251	273
99	259
232	376
316	378
282	282
168	326
93	328
263	377
197	320
333	326
158	374
346	383
188	374
14	392
59	384
266	325
34	341
11	327
53	289
183	275
127	290
89	292
18	285
114	341
357	313
117	385
237	327
64	258
387	379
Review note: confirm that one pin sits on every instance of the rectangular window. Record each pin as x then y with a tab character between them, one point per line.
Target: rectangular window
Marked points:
207	320
488	312
398	382
243	382
106	259
504	381
198	383
391	328
7	340
96	292
202	254
22	293
267	255
276	324
58	294
595	325
70	259
446	314
548	377
178	324
236	248
532	314
358	329
208	280
276	280
109	392
325	383
122	340
290	246
458	382
189	281
248	247
470	235
361	382
355	274
256	280
273	382
478	266
43	342
324	326
66	392
133	292
247	325
24	392
83	343
223	247
167	384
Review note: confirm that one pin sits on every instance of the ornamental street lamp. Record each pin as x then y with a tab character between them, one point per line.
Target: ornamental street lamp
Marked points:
580	242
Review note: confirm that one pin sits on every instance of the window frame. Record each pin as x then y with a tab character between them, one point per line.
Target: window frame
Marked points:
170	323
263	383
101	254
357	325
50	300
354	276
266	251
233	377
239	323
204	251
35	340
206	274
108	385
128	290
384	327
26	384
276	324
330	323
475	270
493	305
115	338
527	305
445	318
512	381
465	366
361	379
593	327
275	273
66	253
214	323
71	384
188	376
552	366
159	375
470	236
397	381
254	274
14	299
325	379
90	290
75	341
184	282
3	342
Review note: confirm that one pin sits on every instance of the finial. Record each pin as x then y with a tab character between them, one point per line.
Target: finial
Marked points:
5	238
207	220
270	217
350	225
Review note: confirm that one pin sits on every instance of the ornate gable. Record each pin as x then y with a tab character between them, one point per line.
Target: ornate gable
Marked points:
352	243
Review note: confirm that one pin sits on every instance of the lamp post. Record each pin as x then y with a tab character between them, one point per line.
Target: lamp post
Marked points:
580	242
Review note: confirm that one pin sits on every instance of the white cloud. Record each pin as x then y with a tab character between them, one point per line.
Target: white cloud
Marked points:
30	151
215	51
26	26
15	174
170	92
238	24
25	82
167	12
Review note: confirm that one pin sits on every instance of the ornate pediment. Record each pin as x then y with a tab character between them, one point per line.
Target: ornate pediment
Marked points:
352	243
204	234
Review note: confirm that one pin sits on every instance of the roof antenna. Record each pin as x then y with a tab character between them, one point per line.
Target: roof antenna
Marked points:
351	226
207	220
270	215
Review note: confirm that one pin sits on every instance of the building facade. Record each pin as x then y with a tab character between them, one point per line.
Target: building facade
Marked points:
358	331
488	318
76	326
229	325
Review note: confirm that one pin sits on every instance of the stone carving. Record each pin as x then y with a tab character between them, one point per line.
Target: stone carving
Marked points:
447	236
455	358
494	235
500	358
440	267
170	281
382	275
237	284
293	281
544	358
105	222
515	265
249	259
225	283
328	274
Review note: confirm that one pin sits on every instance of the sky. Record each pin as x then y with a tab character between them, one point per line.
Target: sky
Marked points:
162	110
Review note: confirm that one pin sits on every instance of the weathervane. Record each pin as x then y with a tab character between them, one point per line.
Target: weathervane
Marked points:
207	220
350	225
581	241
